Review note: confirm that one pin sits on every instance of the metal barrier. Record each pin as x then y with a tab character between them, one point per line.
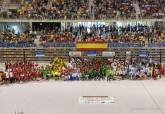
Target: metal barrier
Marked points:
73	45
20	45
152	45
126	45
60	45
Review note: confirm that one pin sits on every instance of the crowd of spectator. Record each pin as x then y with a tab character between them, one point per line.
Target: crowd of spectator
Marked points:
112	34
54	9
9	38
152	8
56	36
157	35
76	9
85	9
107	9
129	36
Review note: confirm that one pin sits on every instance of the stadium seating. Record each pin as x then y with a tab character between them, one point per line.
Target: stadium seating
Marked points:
85	9
128	36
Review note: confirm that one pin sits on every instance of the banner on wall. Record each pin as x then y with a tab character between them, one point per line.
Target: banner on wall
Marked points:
75	53
92	45
143	53
108	54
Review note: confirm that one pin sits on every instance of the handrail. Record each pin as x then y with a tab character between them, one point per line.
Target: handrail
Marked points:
78	20
73	45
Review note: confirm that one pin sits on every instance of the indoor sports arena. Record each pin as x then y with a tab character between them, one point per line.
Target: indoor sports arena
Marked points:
82	56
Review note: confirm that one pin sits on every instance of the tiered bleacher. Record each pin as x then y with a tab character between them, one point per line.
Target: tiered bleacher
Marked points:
70	14
103	30
84	9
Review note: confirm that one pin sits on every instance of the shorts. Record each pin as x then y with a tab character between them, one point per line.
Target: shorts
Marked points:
7	79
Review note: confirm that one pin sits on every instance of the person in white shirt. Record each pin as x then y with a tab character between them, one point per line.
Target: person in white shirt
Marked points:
7	77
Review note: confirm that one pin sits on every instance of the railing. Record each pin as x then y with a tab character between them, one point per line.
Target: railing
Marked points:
60	45
48	54
12	45
126	45
31	54
152	45
14	19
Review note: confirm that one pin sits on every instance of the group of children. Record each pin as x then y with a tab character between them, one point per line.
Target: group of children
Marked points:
81	69
143	71
20	71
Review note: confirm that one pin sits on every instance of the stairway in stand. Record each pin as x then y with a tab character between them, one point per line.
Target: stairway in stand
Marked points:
91	9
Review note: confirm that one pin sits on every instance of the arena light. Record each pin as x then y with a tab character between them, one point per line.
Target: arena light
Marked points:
119	24
16	28
88	30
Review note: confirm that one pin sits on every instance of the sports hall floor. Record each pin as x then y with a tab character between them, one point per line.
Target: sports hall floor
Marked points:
57	97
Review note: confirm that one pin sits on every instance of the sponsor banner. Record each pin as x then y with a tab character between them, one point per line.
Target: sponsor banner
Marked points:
143	53
96	100
40	54
91	53
75	53
108	54
92	46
